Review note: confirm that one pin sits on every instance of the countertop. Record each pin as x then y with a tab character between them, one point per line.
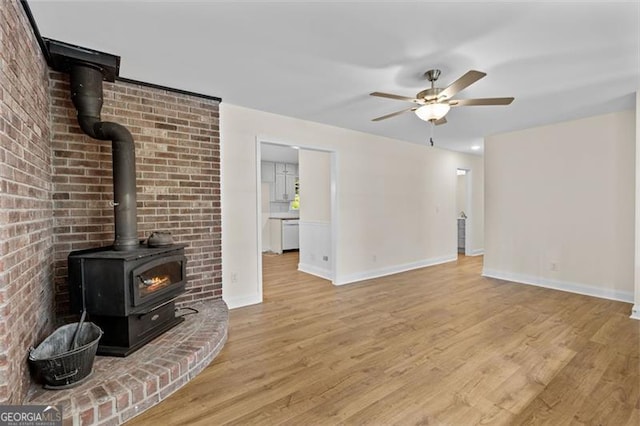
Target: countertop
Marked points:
284	216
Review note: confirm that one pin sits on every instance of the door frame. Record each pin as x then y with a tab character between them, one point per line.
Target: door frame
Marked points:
468	226
334	201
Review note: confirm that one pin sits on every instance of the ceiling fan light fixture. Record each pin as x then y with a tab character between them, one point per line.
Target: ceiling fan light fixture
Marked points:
433	111
434	103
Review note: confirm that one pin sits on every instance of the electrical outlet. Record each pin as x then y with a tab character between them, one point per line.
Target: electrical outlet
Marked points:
234	277
553	266
312	257
374	258
325	258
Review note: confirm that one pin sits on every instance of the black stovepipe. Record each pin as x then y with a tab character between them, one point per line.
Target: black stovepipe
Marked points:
86	94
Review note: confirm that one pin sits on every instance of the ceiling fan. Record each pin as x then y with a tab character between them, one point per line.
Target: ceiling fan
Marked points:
434	103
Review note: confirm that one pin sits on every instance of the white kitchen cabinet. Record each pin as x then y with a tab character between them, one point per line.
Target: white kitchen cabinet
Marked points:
275	233
285	187
267	171
286	169
286	175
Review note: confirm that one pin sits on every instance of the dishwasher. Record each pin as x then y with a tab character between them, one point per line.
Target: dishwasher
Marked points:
290	234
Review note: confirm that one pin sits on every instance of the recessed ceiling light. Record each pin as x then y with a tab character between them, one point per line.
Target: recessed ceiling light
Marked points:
475	147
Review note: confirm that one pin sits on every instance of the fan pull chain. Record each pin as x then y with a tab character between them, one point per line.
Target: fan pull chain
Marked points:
432	125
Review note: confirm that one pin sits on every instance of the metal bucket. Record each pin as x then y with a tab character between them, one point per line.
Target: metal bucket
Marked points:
58	366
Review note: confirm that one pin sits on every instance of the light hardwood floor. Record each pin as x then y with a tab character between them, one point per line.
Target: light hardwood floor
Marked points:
440	345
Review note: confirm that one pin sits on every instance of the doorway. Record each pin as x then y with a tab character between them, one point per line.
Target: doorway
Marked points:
463	211
312	205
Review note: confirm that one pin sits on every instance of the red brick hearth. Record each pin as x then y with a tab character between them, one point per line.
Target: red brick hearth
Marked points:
121	388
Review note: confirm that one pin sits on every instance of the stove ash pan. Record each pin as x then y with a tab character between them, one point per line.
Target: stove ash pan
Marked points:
121	283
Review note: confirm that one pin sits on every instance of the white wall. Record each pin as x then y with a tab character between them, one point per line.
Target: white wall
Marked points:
475	218
461	195
395	200
635	312
316	256
266	206
314	174
560	206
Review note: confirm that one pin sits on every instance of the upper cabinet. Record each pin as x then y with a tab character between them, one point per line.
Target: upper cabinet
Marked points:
285	188
283	176
286	169
269	170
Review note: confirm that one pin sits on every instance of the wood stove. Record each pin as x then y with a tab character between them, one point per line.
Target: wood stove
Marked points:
129	294
128	289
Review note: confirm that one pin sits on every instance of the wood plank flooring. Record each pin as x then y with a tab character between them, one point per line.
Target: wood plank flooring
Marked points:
439	345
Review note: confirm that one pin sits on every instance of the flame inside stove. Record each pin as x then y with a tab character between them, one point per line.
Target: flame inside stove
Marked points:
155	283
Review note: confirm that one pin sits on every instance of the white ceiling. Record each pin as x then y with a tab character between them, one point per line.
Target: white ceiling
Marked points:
319	61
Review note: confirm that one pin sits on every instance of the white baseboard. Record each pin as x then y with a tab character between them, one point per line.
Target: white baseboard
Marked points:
314	270
571	287
475	252
635	312
396	269
239	302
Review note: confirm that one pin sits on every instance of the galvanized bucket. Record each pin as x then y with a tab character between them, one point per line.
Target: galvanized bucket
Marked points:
59	365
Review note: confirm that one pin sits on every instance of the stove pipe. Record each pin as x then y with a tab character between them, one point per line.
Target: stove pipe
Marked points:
86	94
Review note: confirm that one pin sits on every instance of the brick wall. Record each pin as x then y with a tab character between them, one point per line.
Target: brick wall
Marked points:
178	178
26	221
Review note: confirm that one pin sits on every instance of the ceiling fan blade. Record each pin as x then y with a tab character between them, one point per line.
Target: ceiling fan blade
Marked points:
483	101
392	96
393	114
465	81
443	120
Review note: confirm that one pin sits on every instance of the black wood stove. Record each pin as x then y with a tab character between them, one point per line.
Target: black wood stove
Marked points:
127	289
129	294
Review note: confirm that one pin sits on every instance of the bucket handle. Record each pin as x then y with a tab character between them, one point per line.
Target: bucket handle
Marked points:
74	341
66	375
